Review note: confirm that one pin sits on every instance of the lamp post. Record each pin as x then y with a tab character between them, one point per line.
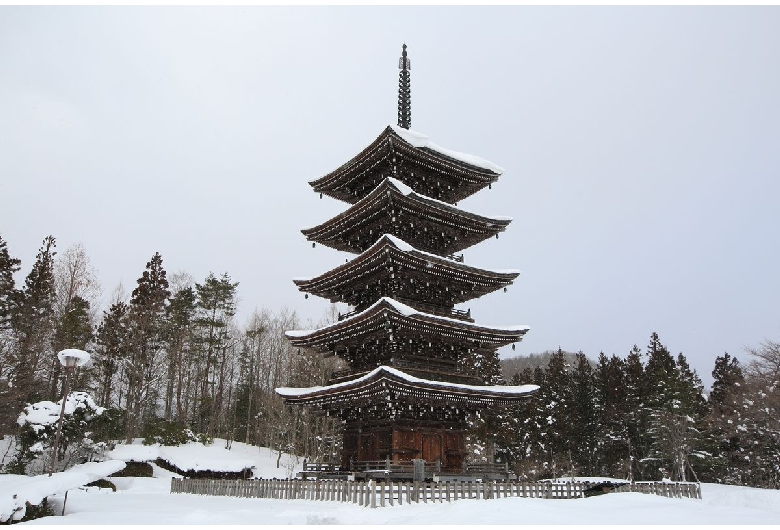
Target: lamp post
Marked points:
70	359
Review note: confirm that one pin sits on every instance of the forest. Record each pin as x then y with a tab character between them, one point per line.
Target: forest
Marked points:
170	364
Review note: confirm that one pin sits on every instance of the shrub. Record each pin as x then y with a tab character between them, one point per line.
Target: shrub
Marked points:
103	483
135	469
171	433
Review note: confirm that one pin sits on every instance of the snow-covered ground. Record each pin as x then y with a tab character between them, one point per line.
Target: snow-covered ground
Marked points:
145	501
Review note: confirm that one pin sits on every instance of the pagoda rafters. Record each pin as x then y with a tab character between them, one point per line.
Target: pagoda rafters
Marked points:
394	208
389	383
391	333
410	157
395	269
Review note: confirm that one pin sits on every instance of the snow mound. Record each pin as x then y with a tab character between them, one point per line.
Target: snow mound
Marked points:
44	413
18	490
195	456
214	457
135	453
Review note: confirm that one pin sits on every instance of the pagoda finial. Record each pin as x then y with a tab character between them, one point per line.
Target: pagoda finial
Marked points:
404	91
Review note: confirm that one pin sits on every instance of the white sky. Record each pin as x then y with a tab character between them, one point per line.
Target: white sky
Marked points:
641	149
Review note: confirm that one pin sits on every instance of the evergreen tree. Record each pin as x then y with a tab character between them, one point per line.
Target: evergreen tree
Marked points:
113	344
583	426
8	399
216	308
610	409
530	448
637	413
74	330
558	400
8	267
728	381
179	337
32	319
147	320
726	444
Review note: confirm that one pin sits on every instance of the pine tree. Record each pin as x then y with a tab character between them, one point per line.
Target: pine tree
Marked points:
583	426
74	330
216	308
724	442
179	337
147	319
8	267
32	320
8	399
608	403
728	381
637	413
113	344
558	400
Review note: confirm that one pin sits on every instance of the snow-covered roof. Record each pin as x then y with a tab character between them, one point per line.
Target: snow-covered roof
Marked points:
420	140
404	310
398	374
403	246
407	190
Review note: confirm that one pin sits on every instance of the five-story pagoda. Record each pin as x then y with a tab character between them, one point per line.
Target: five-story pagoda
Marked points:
412	380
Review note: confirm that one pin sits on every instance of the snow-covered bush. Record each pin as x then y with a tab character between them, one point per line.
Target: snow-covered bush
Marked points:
171	433
86	433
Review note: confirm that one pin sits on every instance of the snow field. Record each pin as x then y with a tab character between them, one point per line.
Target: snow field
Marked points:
144	501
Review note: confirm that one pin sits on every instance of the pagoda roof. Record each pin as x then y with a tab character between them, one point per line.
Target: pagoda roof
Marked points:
384	379
387	316
391	266
393	207
411	157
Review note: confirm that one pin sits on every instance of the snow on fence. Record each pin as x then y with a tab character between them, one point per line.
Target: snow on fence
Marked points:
689	490
375	494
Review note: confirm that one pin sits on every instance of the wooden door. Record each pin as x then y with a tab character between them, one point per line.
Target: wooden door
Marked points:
431	447
366	447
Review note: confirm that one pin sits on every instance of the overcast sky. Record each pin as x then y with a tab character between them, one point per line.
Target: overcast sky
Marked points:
641	148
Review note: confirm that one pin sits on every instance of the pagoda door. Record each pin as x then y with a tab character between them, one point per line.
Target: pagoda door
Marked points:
431	447
366	448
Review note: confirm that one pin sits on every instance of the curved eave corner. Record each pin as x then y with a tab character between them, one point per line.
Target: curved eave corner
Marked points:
421	141
393	374
408	311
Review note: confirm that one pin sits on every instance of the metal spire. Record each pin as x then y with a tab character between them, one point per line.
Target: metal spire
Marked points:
404	91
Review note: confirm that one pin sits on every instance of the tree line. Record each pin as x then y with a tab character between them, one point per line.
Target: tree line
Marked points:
646	417
170	358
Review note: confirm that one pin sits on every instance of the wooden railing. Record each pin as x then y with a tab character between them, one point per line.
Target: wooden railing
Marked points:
394	467
321	467
376	494
484	468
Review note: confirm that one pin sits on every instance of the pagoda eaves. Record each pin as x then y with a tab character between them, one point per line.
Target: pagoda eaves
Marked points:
393	268
386	379
413	159
394	208
392	333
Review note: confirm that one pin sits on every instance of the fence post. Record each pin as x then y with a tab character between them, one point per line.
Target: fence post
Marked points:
372	492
